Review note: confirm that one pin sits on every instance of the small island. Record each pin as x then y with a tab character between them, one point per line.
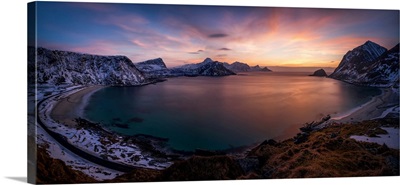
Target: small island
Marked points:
320	73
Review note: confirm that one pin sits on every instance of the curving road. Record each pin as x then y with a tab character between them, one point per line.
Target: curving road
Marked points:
63	141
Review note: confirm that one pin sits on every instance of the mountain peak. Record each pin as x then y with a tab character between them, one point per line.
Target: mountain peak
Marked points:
372	48
369	42
207	60
369	64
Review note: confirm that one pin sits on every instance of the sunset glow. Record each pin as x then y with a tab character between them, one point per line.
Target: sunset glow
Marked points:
189	34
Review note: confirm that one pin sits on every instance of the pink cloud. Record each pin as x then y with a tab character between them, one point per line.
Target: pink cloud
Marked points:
139	43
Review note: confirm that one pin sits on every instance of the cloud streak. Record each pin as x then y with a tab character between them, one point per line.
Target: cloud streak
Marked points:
257	35
217	35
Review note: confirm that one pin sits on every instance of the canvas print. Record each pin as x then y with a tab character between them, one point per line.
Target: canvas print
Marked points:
151	92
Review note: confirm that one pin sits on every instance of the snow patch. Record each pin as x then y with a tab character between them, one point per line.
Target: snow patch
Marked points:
391	139
114	149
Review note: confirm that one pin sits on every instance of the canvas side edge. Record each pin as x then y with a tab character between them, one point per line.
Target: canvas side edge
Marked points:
32	92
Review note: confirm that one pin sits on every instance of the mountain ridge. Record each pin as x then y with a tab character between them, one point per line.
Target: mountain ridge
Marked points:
66	67
206	68
369	65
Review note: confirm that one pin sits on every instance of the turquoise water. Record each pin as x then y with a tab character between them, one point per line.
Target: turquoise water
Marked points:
219	113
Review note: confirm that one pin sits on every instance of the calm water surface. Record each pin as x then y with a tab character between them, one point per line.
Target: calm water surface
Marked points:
222	112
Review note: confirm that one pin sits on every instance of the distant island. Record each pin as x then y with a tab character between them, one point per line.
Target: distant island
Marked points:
64	67
320	73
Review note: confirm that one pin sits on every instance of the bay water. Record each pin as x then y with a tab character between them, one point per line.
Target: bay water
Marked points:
218	113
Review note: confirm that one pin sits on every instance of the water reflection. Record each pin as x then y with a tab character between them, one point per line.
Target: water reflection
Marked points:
217	113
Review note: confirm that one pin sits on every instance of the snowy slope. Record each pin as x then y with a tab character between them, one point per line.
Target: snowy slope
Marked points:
206	68
237	67
59	67
154	68
243	67
384	71
370	65
151	65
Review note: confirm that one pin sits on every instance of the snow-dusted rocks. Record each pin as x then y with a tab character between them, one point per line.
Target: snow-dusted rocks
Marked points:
384	71
154	68
94	141
64	67
237	66
151	65
369	65
206	68
243	67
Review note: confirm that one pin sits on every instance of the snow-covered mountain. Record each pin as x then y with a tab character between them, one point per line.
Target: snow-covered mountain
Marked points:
237	66
154	68
369	64
255	68
258	68
384	71
206	68
151	65
57	67
243	67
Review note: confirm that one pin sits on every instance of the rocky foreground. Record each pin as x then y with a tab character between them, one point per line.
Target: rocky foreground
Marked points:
328	152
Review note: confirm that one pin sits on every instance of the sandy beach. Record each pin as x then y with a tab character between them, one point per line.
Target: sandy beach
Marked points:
372	109
72	106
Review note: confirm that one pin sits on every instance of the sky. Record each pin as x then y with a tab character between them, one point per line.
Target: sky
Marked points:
179	34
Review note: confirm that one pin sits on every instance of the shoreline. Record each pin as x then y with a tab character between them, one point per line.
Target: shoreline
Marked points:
86	140
372	109
71	106
77	137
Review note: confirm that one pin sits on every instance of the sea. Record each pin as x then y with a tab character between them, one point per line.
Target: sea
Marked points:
222	113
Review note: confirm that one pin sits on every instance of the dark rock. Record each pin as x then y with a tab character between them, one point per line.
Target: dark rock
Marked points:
56	171
265	69
269	142
258	68
319	72
249	164
301	138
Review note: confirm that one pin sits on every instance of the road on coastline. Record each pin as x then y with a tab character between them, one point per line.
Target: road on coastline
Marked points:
63	142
